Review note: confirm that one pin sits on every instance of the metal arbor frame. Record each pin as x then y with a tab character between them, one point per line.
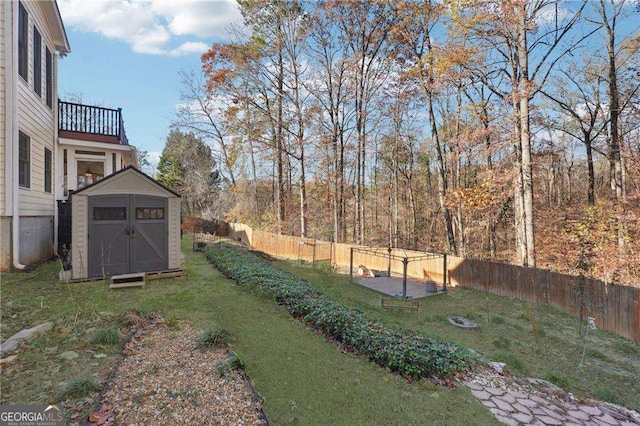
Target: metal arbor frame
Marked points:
405	262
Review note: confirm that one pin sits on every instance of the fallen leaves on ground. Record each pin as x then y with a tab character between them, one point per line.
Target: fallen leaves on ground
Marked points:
164	379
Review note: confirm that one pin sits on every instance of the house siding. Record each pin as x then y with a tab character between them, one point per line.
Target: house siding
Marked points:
79	255
3	98
36	120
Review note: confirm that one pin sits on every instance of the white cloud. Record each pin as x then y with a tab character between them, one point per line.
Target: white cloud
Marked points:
153	158
198	17
549	15
189	48
151	26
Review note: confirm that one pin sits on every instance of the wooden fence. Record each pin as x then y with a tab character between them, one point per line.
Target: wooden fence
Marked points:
615	307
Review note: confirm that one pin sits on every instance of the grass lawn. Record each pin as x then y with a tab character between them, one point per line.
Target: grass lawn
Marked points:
303	378
534	340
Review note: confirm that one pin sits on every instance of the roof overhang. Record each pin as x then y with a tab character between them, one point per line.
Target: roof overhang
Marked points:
54	19
94	145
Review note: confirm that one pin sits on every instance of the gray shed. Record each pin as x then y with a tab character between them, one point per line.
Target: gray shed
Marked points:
125	223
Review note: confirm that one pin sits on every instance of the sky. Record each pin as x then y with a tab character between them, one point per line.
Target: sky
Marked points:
127	54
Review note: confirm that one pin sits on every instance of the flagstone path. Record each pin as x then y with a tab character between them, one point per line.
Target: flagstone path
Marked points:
541	403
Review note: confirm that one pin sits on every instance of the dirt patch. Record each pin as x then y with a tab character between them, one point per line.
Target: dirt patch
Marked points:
164	378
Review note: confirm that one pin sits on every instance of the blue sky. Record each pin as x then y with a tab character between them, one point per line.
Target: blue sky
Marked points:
127	54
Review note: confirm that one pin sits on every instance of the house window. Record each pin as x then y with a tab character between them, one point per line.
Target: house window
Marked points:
23	42
37	61
49	77
47	170
24	161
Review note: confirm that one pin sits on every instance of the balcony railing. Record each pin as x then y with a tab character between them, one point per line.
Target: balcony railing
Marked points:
86	122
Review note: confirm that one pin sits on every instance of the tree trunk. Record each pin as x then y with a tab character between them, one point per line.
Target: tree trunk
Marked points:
591	193
526	167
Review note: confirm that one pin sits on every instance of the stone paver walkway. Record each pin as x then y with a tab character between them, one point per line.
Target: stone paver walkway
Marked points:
517	404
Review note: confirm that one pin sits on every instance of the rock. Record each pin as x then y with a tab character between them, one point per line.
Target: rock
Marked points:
432	286
51	350
8	360
69	355
498	366
461	322
12	342
363	271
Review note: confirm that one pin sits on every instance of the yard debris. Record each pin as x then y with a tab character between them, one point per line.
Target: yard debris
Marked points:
164	377
8	360
363	271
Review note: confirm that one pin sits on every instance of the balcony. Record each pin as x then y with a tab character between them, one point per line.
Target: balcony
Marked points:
91	123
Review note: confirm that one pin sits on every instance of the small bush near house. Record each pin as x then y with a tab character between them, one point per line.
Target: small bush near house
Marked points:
403	352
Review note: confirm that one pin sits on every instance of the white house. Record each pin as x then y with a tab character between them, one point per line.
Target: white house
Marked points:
48	147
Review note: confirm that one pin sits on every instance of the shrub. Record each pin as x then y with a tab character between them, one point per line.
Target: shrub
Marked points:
105	336
408	354
231	363
191	224
213	338
78	387
210	226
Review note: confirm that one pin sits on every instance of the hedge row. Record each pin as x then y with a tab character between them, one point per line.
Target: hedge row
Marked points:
403	352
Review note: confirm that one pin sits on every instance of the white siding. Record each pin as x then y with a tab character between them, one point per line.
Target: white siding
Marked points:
79	254
174	233
36	120
2	113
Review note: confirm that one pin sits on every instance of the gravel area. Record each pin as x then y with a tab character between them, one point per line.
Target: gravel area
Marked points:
165	379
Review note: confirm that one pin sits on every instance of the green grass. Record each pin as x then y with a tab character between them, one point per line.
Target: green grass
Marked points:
214	338
303	378
535	340
78	387
105	336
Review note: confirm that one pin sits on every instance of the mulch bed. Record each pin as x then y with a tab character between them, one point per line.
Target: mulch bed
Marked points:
164	379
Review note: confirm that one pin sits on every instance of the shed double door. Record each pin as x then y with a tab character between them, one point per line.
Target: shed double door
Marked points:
127	234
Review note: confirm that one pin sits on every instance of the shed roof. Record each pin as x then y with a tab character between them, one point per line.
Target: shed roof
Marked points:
126	170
